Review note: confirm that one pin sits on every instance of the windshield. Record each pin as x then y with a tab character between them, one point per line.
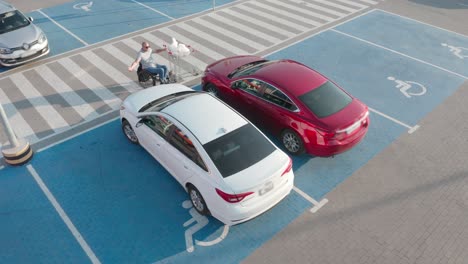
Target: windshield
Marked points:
238	150
247	69
12	20
165	101
326	100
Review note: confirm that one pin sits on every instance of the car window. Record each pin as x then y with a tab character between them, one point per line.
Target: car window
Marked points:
180	141
326	100
277	97
238	149
158	124
12	20
251	86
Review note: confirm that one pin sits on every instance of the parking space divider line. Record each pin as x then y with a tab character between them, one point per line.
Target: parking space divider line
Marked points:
155	10
63	215
317	205
399	53
62	27
411	129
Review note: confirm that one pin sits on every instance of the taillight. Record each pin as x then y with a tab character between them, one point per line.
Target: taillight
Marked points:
288	168
326	134
232	198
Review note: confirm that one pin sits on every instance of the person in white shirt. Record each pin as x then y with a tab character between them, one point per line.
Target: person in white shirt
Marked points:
148	63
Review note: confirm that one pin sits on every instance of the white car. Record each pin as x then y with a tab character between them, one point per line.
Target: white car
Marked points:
20	40
230	169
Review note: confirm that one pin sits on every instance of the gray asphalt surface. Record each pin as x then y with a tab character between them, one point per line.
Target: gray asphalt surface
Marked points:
407	205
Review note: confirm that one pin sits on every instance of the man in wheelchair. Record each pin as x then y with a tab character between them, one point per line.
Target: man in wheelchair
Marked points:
147	66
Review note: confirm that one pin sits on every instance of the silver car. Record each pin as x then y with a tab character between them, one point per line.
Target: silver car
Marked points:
20	40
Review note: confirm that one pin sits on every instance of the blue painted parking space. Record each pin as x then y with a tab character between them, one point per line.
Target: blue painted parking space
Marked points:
95	21
364	70
436	46
60	41
130	210
31	230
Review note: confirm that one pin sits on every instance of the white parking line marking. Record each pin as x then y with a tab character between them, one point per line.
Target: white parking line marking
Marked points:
63	215
62	27
317	205
149	7
77	134
399	53
411	129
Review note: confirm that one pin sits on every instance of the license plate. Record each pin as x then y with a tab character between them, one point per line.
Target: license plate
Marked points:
28	53
266	188
350	129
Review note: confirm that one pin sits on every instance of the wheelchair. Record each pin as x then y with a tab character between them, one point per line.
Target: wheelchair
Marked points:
147	78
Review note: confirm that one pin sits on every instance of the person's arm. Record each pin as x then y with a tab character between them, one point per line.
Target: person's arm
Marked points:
159	50
134	64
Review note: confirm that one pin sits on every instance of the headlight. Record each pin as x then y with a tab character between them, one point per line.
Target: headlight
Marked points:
5	51
42	38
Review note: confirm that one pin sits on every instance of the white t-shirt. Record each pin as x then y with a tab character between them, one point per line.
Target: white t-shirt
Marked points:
146	57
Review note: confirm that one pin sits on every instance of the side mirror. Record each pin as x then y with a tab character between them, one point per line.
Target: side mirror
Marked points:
235	85
141	122
31	19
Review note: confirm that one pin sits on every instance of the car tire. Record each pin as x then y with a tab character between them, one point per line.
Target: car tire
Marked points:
292	142
197	200
212	89
128	132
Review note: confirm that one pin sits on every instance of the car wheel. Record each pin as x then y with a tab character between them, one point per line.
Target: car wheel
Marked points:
129	133
292	142
212	89
197	200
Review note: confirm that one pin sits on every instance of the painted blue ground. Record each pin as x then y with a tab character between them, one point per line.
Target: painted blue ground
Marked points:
128	208
112	18
60	41
31	230
125	205
411	38
362	69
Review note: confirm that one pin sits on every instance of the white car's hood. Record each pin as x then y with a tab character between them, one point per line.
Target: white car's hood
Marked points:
17	38
256	175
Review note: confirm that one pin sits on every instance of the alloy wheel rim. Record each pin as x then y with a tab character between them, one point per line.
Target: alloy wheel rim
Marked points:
196	200
130	133
291	142
212	90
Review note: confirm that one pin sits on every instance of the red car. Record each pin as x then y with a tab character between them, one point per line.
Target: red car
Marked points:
309	112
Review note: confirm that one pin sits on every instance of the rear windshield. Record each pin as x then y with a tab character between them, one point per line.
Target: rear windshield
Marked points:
12	20
326	100
238	150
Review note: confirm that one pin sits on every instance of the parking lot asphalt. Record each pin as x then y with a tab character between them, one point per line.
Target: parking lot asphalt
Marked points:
97	198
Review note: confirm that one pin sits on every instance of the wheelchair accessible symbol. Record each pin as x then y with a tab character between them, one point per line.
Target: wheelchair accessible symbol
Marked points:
460	52
200	222
405	86
84	6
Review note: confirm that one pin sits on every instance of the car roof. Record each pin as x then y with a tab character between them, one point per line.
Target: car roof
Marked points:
291	76
205	116
5	7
